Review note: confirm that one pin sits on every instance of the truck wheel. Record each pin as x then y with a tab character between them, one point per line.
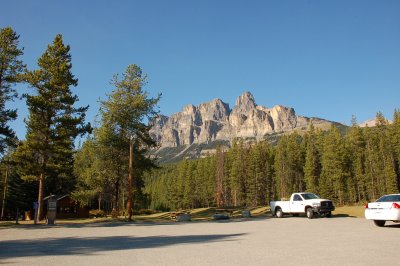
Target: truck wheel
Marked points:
379	223
279	213
310	213
328	215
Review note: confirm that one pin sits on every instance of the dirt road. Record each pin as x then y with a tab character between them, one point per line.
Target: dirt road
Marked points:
267	241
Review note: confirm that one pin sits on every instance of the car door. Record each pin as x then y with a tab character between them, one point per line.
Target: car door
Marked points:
297	204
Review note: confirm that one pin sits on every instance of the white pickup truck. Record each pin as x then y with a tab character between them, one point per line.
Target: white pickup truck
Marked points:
302	202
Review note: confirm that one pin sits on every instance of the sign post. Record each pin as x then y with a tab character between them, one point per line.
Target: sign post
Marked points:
35	207
51	211
17	216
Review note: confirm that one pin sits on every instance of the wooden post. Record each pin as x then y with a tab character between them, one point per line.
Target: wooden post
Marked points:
130	180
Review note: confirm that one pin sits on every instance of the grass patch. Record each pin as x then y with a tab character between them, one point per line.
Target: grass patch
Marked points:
4	224
199	214
260	211
350	211
85	220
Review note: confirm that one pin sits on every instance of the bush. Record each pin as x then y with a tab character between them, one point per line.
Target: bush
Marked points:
96	213
114	214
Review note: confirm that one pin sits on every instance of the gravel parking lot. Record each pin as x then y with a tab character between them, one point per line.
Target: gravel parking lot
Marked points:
261	241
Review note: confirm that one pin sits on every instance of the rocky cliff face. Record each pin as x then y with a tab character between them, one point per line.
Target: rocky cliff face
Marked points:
216	121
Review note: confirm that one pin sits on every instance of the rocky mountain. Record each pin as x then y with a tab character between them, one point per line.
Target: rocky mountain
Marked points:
368	123
204	125
371	123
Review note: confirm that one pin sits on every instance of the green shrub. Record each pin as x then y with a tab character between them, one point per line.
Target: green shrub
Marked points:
97	213
144	212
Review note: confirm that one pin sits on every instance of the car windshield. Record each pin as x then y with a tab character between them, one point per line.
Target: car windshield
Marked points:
389	198
308	196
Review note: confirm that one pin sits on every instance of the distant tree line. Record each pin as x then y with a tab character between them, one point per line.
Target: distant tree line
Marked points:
351	168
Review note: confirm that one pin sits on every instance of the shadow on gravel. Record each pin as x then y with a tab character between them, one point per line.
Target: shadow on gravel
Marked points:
393	225
334	216
339	215
68	225
110	224
86	246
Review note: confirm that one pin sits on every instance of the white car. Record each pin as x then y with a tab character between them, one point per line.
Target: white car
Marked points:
386	208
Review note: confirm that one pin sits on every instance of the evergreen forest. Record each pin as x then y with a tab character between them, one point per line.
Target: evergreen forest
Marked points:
350	168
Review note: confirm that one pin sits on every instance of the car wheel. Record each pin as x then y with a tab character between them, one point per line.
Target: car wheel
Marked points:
279	213
379	223
310	213
328	215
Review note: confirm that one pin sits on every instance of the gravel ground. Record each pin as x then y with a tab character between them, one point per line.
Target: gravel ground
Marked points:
260	241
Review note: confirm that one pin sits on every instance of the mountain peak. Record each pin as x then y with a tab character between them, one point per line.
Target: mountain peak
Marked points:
245	102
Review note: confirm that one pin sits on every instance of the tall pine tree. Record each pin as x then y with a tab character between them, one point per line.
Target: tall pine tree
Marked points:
126	112
312	166
10	69
53	122
333	173
394	134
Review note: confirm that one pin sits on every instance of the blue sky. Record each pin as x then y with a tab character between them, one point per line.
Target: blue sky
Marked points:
330	59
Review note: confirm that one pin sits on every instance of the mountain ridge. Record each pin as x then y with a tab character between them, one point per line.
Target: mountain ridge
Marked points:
215	121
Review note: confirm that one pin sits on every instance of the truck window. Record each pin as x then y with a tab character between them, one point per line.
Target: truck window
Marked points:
308	196
297	198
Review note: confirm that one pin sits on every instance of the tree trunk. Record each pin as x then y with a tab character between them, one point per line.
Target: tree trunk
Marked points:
117	195
130	179
99	201
40	197
235	197
123	203
4	194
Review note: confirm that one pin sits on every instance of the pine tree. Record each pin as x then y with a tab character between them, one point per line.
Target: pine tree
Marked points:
386	153
91	179
380	169
219	178
289	165
201	183
312	166
269	157
333	174
189	178
237	175
20	194
53	122
125	111
356	145
181	183
209	176
111	161
10	69
260	174
394	134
